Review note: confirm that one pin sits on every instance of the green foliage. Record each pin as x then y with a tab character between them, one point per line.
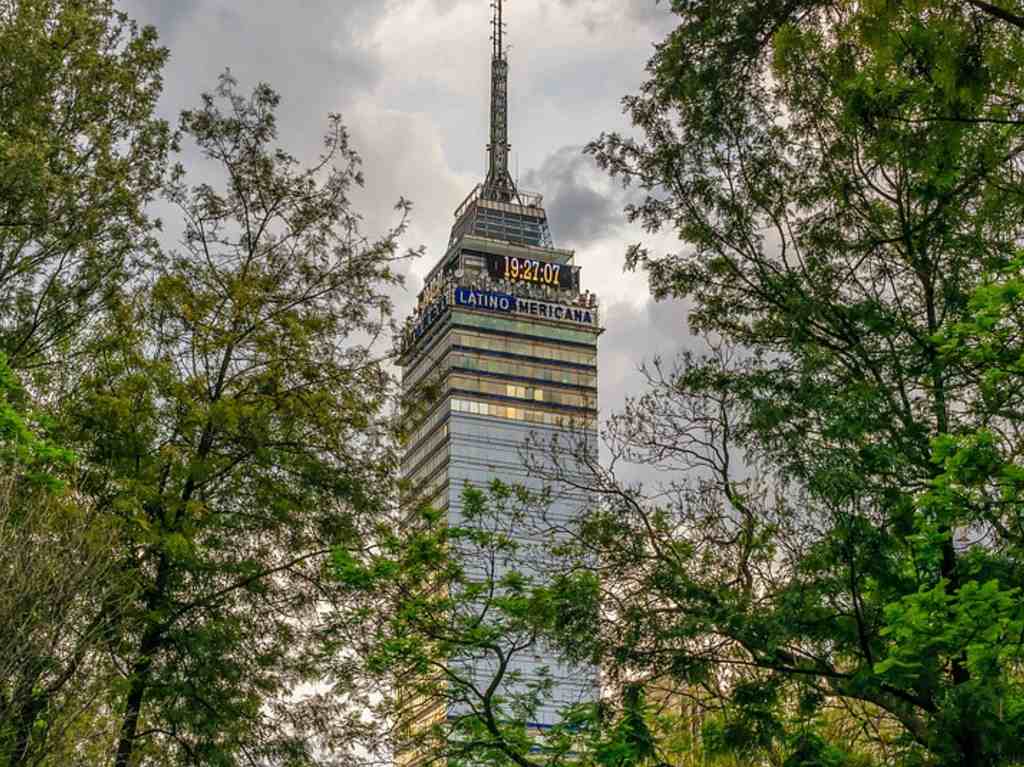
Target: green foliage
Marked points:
844	179
455	607
22	449
56	565
629	740
809	750
231	419
206	423
80	157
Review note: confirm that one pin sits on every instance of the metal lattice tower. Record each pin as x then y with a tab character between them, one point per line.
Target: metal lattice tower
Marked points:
498	185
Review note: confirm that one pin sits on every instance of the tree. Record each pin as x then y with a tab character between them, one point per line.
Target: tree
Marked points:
455	608
81	155
842	178
26	448
55	569
56	566
231	421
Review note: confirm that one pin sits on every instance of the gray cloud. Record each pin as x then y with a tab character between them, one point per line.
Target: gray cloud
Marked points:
635	335
584	205
309	51
319	56
652	13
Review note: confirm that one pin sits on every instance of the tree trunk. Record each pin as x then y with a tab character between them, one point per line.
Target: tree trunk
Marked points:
136	693
151	639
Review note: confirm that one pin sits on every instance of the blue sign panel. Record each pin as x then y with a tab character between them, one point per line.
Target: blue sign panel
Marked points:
429	315
485	299
489	300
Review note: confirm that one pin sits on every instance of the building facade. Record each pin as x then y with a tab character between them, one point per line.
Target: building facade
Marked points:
501	354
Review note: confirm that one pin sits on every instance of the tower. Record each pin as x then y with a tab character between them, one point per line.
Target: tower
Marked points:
507	340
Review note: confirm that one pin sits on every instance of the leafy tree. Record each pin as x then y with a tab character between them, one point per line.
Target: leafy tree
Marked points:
230	419
54	556
834	572
223	405
842	528
56	565
25	446
456	607
80	157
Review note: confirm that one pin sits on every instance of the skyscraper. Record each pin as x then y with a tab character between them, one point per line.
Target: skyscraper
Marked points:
507	339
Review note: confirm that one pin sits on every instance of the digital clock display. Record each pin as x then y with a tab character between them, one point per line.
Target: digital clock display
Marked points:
520	269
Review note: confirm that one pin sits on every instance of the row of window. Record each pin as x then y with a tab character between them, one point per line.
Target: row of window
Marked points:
574	498
429	466
522	391
524	369
420	400
433	375
426	427
525	327
513	227
434	361
429	488
426	363
514	413
538	349
436	496
429	444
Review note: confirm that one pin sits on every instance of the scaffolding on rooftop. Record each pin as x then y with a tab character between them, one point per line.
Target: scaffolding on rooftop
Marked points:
521	221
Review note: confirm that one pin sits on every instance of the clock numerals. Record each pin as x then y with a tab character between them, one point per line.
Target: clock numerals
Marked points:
529	270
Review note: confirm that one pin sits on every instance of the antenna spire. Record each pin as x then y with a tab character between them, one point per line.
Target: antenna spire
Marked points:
498	185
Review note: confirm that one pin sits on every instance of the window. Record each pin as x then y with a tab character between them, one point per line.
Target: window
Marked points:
540	349
523	391
540	417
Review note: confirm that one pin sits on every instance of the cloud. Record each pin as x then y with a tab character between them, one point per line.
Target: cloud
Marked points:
400	151
634	335
597	13
584	204
312	52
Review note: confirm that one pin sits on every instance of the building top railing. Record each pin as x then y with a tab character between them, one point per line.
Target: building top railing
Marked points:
476	241
523	200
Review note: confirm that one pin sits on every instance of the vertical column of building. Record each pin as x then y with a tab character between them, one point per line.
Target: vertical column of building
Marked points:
520	382
501	355
500	358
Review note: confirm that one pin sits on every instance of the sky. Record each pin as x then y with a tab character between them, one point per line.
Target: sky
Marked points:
411	81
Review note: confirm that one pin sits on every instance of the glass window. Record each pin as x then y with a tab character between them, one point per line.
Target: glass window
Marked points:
524	327
539	349
522	414
520	391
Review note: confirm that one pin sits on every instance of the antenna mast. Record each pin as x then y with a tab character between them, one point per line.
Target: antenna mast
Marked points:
498	185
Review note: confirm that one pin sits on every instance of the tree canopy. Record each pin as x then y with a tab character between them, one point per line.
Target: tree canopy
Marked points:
202	558
187	431
83	155
844	180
